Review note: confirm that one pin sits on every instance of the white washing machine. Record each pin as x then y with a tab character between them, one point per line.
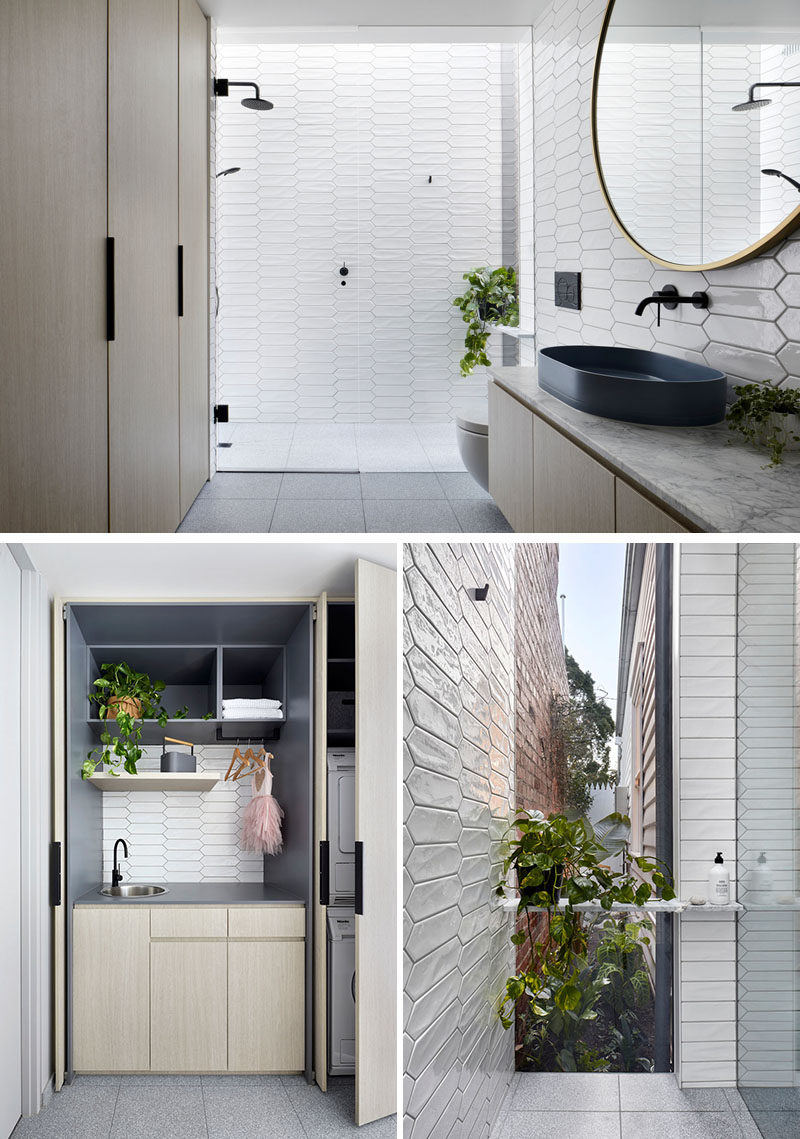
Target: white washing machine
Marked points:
341	992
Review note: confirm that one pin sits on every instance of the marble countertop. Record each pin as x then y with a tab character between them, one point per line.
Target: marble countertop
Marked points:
199	894
716	485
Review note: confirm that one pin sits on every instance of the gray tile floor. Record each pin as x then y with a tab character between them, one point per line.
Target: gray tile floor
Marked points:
377	502
201	1107
606	1106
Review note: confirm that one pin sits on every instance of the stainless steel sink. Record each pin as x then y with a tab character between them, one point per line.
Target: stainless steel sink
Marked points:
634	385
133	891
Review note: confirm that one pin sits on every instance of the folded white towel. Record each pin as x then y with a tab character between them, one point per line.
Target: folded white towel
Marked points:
252	714
233	704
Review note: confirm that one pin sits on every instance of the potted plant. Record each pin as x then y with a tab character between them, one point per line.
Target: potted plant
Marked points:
490	301
560	862
767	415
129	698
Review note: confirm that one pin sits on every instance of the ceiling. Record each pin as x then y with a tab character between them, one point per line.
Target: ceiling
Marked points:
129	568
377	13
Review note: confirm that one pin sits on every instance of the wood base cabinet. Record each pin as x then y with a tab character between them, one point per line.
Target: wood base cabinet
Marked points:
189	989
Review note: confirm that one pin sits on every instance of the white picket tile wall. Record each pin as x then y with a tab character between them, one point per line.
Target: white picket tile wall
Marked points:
706	801
386	157
177	836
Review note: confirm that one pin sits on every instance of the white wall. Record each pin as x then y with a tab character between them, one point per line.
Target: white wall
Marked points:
338	173
705	815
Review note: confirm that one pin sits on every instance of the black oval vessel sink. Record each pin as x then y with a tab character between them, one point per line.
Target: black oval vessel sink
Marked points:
634	385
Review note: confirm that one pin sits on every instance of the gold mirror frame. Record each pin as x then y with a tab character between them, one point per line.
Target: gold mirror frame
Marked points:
787	226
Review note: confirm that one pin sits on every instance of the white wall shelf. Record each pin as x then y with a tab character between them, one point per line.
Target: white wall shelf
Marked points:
156	781
676	906
517	333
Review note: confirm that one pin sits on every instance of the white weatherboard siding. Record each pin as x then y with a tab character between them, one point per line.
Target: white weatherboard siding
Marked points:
706	810
768	975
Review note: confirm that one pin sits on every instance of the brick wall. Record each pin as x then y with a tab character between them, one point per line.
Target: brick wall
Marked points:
459	791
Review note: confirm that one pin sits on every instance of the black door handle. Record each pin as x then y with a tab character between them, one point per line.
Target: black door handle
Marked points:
359	887
111	315
324	873
55	873
180	280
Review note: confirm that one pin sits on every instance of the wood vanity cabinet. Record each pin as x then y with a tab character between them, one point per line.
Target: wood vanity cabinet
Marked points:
546	484
189	989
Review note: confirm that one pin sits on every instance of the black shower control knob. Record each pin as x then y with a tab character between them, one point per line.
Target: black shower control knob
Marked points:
344	271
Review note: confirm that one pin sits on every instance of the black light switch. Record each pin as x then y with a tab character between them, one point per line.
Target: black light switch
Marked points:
568	290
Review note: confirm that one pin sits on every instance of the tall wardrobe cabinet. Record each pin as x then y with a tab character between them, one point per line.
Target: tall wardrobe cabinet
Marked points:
103	263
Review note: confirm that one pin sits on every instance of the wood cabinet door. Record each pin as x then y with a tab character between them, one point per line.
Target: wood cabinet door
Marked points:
188	1006
143	411
53	351
511	458
266	1006
573	493
376	841
111	989
638	515
319	911
193	100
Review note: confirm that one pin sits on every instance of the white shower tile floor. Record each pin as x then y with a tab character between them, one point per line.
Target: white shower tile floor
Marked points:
444	502
396	447
627	1106
201	1107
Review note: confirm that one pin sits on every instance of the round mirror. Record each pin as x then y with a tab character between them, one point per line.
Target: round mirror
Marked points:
696	126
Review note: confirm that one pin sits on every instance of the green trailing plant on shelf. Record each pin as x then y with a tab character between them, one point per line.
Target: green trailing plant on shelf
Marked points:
564	989
766	414
129	698
491	301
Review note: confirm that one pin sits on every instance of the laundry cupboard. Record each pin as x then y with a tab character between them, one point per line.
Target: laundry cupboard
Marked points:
104	290
227	976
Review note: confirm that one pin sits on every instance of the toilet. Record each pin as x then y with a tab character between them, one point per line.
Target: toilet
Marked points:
472	432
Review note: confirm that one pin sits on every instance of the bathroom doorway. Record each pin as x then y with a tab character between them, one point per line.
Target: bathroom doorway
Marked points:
389	166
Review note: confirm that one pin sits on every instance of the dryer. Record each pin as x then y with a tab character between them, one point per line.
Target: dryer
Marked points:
341	992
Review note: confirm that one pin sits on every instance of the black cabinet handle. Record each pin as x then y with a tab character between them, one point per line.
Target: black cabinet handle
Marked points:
180	280
359	890
111	314
55	873
324	873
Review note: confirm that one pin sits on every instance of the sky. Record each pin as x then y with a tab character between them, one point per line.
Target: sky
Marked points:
591	576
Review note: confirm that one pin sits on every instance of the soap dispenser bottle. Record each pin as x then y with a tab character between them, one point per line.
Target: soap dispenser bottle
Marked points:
719	882
761	879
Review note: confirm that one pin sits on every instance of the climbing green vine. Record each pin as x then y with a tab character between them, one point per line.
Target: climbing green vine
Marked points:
490	301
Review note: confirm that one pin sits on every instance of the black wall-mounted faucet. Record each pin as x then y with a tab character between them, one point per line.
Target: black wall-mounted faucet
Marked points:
116	873
670	299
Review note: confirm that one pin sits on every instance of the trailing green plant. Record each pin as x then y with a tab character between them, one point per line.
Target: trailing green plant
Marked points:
579	745
563	989
490	300
129	697
759	414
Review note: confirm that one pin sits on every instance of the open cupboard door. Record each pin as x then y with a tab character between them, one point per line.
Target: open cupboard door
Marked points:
376	842
319	903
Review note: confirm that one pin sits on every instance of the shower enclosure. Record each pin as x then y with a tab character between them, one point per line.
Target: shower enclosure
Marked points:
385	171
768	825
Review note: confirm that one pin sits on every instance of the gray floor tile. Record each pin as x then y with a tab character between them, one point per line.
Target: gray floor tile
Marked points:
649	1092
341	486
422	486
171	1112
248	484
566	1092
773	1125
558	1124
155	1080
771	1099
304	516
332	1113
680	1125
229	516
384	516
462	487
247	1112
480	518
253	457
85	1109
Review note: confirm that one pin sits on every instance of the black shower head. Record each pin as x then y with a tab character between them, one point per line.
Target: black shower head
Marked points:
230	170
257	104
780	174
753	104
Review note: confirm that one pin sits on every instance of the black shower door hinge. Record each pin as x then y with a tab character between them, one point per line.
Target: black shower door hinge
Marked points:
221	412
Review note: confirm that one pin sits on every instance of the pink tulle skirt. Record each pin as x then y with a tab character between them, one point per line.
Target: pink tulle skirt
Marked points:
262	825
